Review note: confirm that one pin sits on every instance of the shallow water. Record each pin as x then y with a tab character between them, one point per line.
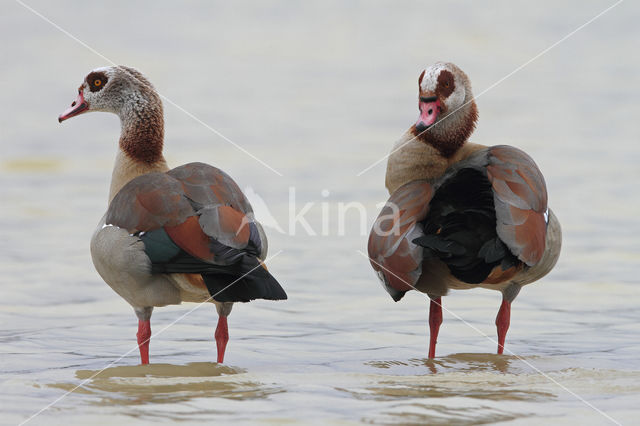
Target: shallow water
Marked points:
320	92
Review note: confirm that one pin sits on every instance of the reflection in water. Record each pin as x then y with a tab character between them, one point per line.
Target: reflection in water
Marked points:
479	388
194	369
162	383
471	362
460	388
452	378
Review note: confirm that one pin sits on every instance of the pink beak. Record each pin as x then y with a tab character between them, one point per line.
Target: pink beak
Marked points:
77	107
429	110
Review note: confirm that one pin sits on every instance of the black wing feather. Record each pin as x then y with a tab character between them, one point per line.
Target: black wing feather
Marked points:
244	280
460	228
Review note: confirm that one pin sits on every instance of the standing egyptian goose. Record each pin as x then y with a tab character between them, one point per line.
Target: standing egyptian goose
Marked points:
169	236
460	215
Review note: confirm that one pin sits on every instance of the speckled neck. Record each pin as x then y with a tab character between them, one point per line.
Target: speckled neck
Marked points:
142	123
141	138
448	136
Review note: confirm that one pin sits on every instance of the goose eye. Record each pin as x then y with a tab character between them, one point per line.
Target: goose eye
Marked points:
96	81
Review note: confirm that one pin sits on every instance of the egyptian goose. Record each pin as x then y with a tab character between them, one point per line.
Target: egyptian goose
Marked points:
169	236
460	215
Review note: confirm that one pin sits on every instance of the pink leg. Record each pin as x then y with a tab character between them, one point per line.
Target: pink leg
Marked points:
222	337
502	322
435	319
144	334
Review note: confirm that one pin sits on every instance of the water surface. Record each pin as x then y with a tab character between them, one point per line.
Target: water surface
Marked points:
320	91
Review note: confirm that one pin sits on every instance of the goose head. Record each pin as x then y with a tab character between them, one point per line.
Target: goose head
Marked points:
118	89
448	112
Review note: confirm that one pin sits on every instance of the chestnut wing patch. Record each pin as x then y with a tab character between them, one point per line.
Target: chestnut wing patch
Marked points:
520	197
392	253
195	220
223	209
205	214
149	202
210	186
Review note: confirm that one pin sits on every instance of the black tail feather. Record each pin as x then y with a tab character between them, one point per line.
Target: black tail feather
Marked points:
254	283
241	281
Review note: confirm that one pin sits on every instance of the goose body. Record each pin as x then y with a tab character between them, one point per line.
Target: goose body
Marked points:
170	236
460	215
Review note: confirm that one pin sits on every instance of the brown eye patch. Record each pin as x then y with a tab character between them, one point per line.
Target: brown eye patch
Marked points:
446	84
96	81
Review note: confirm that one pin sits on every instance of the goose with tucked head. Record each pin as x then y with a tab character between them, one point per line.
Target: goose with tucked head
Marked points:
460	215
169	236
